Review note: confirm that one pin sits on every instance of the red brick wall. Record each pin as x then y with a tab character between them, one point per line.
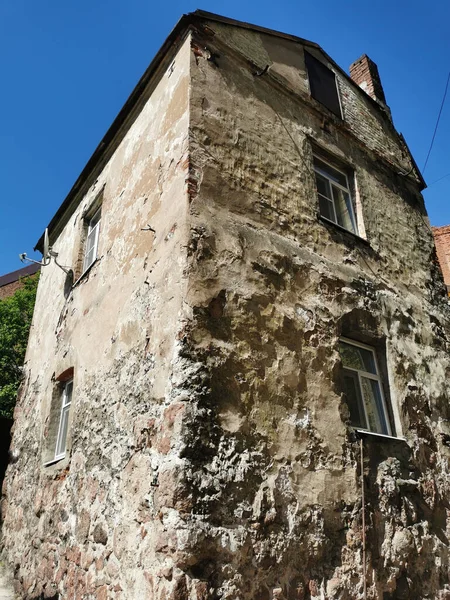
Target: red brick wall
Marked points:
442	239
9	289
364	72
10	282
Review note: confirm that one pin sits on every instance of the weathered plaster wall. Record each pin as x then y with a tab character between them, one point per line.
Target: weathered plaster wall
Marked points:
275	475
286	62
81	527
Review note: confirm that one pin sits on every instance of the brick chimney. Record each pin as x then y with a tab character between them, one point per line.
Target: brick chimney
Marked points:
364	72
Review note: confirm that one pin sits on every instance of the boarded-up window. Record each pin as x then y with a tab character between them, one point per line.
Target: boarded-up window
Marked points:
322	82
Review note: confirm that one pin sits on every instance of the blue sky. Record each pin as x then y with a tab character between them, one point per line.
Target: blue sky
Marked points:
68	67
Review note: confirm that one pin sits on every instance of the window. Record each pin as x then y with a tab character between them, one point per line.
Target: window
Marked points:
91	245
322	83
362	386
66	399
56	438
335	202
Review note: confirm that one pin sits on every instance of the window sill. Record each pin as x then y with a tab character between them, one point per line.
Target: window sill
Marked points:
53	461
380	436
85	273
54	467
340	228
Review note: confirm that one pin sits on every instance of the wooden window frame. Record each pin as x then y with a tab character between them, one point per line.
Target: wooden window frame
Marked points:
374	377
92	232
63	428
333	183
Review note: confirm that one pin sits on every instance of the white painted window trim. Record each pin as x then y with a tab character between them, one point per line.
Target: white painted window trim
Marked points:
368	375
332	182
92	232
66	402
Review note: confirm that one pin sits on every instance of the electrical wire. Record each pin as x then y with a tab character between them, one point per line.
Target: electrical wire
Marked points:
363	521
440	179
437	124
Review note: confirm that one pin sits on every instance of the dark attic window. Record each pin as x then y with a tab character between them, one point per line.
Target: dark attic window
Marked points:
322	82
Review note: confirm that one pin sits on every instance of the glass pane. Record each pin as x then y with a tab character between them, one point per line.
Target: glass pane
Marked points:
326	208
374	406
90	240
89	259
68	393
62	434
95	219
323	186
344	210
357	358
354	399
331	173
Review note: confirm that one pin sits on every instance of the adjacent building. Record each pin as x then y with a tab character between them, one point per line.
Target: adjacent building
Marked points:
10	282
442	240
241	391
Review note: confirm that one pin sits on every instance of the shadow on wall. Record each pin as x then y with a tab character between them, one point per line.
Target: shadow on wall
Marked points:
5	441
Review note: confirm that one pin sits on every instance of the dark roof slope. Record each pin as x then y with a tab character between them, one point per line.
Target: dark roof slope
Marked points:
16	275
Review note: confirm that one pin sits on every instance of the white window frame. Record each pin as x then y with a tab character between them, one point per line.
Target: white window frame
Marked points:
66	401
373	377
333	182
92	233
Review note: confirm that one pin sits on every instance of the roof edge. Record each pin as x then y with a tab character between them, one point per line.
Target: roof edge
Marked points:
413	162
14	276
105	144
203	14
218	18
132	102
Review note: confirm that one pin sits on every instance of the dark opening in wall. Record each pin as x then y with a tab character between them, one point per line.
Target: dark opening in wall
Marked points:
5	441
322	82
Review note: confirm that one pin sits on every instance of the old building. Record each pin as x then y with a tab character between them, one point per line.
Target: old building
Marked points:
442	240
10	282
244	392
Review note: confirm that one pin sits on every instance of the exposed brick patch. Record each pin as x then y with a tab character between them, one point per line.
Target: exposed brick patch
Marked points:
11	282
